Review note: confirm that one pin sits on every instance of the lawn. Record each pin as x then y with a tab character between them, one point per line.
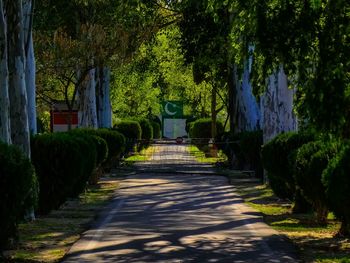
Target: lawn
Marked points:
202	158
316	243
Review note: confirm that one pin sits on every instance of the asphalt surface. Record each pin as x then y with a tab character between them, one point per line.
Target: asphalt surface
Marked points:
179	218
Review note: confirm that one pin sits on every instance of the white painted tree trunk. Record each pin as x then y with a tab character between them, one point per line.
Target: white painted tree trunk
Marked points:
30	65
103	99
87	102
276	104
5	133
17	85
247	109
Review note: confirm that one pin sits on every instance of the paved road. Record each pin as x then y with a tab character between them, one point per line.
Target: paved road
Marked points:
180	218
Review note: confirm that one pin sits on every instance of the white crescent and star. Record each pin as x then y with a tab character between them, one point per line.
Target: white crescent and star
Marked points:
167	111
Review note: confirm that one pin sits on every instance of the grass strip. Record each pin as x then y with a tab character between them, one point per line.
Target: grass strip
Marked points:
317	243
202	158
48	238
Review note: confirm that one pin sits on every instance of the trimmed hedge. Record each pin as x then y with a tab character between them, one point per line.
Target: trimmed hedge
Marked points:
202	128
64	163
311	160
156	130
336	179
132	132
18	190
146	134
278	158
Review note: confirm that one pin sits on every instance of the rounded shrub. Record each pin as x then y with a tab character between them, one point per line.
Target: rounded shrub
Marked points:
277	157
146	134
311	159
18	190
337	183
250	143
132	131
202	128
64	163
100	143
115	141
156	130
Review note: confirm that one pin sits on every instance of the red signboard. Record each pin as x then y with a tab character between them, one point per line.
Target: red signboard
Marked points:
60	120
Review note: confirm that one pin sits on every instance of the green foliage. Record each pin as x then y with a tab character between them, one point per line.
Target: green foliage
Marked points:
276	159
202	128
250	143
18	190
146	134
156	130
337	182
100	143
311	159
63	162
130	129
115	141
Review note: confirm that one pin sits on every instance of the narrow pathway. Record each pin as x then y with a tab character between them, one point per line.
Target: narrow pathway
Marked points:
180	218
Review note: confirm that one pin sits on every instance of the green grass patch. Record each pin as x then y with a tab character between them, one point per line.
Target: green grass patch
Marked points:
48	238
202	158
142	156
317	243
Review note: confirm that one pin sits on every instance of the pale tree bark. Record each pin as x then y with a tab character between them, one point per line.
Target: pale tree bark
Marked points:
103	99
5	133
28	6
247	109
17	85
277	114
87	114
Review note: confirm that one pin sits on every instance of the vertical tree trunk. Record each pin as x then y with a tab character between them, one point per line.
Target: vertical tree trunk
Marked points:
5	133
30	65
17	85
213	111
231	85
103	99
277	106
87	102
248	113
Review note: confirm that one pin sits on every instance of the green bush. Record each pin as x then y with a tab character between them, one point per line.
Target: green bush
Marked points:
100	143
156	130
250	143
146	134
311	159
336	179
63	162
115	141
132	131
202	128
277	159
18	190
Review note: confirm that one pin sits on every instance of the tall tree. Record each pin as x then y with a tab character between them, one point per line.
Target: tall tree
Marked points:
5	132
17	85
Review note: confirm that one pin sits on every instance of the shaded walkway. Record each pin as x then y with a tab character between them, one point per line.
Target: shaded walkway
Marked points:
180	218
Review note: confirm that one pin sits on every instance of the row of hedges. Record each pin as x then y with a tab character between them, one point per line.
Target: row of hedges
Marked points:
316	169
138	132
64	163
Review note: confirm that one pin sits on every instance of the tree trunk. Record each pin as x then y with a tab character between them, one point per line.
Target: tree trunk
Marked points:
5	132
277	107
87	102
248	114
103	99
17	85
231	85
213	111
30	65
